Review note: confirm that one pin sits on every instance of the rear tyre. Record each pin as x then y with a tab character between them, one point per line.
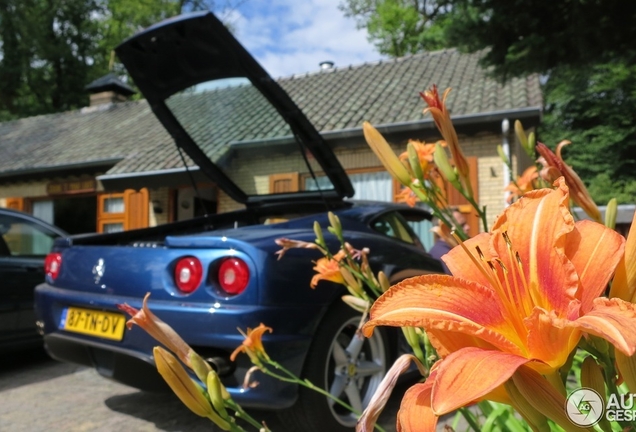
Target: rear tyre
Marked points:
349	366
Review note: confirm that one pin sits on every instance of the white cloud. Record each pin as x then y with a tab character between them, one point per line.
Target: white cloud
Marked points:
292	37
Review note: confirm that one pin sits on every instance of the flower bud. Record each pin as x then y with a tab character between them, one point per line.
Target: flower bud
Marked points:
335	223
356	303
503	155
414	162
189	392
318	231
610	213
216	394
384	281
521	134
592	377
532	142
351	282
535	419
200	367
385	153
441	160
627	367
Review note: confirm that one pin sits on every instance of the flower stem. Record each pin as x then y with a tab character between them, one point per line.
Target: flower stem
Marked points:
308	384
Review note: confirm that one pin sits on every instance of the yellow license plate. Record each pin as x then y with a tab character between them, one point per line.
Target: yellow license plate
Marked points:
106	325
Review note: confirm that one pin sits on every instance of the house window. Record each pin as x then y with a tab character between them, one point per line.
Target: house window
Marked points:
372	186
122	211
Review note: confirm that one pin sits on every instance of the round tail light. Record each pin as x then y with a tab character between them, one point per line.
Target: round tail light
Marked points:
188	274
52	265
234	275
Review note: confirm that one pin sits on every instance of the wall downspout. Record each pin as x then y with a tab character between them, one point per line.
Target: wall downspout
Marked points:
507	175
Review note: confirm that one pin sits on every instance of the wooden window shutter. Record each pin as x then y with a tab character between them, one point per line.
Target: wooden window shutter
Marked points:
137	211
282	183
15	203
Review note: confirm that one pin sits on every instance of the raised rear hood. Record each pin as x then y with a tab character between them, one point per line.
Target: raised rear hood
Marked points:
235	122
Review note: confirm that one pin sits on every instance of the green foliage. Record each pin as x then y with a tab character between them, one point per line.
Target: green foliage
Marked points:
51	49
400	27
525	36
594	109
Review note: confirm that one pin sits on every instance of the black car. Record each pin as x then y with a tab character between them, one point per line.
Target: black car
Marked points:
24	243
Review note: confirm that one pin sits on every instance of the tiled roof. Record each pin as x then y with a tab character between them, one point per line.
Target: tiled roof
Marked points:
383	93
110	82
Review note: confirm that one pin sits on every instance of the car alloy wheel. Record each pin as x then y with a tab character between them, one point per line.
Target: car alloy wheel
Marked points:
348	367
354	371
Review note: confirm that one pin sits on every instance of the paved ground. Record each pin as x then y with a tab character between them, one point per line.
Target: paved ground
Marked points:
40	394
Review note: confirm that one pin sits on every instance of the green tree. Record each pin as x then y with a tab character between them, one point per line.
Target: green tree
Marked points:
524	36
400	27
593	107
51	49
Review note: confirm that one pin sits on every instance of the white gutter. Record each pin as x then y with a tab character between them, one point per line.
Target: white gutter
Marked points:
507	175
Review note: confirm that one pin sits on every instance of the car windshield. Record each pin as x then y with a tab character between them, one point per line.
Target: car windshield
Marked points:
243	134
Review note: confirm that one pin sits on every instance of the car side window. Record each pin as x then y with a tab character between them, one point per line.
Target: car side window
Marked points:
24	238
393	225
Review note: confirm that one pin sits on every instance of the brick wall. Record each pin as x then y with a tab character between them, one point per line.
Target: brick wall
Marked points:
483	146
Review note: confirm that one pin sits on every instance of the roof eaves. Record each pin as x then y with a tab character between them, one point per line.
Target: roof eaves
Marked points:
58	168
459	120
155	178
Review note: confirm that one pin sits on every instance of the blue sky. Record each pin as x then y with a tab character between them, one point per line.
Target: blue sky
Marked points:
293	36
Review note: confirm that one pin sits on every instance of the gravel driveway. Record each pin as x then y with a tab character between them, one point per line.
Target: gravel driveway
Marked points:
40	394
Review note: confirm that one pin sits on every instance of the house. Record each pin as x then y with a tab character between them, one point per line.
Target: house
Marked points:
112	166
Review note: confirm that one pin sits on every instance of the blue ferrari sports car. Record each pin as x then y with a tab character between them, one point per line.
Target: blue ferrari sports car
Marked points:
210	275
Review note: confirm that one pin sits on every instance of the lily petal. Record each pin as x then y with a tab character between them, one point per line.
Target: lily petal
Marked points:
464	268
550	338
446	342
468	374
444	303
415	413
587	245
624	283
612	320
541	214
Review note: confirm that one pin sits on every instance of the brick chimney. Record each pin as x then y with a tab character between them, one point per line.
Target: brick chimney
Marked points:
108	90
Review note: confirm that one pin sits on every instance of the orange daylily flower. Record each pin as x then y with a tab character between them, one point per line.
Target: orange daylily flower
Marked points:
159	330
407	196
328	269
252	344
522	294
523	184
287	244
441	116
424	155
554	165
